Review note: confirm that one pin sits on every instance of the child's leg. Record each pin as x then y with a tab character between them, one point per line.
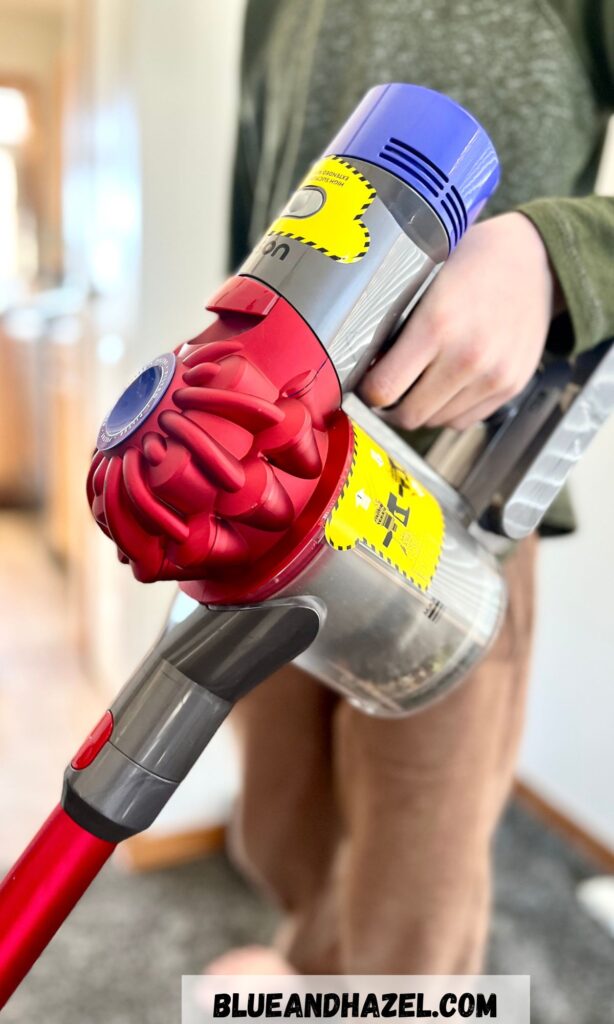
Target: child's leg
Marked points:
286	831
422	797
374	835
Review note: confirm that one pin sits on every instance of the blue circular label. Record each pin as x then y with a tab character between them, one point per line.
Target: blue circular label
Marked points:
136	403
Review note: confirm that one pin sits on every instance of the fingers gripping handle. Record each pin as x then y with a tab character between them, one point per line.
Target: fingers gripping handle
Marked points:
531	445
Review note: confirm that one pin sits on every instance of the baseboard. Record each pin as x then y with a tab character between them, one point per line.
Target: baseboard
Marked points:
152	852
597	851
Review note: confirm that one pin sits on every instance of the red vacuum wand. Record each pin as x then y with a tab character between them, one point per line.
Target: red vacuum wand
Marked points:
40	891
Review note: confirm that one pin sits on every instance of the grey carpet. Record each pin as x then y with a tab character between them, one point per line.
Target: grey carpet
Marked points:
119	959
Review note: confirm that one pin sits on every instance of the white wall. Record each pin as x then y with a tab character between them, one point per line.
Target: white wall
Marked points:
150	170
150	142
568	752
188	94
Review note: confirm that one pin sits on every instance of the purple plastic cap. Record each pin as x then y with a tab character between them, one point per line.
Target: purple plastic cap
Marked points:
431	143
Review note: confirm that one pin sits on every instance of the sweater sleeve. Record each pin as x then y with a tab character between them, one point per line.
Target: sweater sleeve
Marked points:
590	26
579	232
258	26
579	237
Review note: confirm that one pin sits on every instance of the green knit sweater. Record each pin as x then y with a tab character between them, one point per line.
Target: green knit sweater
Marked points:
538	74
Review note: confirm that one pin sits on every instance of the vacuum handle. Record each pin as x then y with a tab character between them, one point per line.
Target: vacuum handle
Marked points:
510	474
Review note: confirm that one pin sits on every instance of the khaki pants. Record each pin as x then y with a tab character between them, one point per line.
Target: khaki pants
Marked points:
373	835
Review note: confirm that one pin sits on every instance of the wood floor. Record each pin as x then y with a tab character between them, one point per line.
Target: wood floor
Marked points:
47	705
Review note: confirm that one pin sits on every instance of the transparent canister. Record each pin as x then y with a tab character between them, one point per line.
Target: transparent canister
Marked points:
410	600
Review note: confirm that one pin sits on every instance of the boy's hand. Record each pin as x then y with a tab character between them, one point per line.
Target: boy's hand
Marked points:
476	337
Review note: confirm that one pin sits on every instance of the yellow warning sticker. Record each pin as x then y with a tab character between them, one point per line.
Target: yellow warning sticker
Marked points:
326	211
386	509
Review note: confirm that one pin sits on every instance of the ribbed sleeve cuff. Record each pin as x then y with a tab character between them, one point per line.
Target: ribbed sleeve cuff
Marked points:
574	247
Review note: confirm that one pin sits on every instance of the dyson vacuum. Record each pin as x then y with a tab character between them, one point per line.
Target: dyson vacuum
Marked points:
298	525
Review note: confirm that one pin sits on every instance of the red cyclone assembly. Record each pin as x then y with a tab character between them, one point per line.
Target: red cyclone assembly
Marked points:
222	475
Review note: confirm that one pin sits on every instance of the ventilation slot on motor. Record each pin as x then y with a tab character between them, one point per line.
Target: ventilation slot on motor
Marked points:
418	166
413	162
459	205
451	221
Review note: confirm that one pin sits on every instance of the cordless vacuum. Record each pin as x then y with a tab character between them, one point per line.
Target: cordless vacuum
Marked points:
298	531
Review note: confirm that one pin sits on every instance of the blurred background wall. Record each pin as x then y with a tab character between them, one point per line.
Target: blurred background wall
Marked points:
116	191
568	756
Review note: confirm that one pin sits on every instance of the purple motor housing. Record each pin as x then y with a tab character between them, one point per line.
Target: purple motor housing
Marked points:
431	143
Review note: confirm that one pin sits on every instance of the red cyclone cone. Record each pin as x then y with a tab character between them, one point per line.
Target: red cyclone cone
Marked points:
212	453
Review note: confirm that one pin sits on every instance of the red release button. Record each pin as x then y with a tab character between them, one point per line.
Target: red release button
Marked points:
92	746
